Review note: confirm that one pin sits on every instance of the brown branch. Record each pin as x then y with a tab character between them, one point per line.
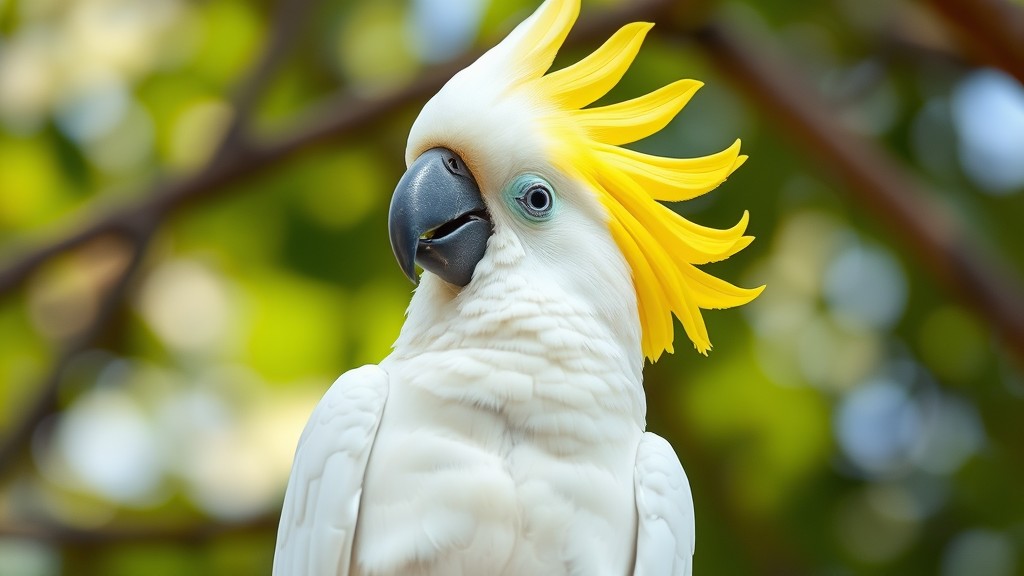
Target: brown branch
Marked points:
929	233
137	227
344	117
17	438
991	29
122	534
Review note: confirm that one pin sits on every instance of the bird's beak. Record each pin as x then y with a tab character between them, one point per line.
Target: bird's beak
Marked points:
438	218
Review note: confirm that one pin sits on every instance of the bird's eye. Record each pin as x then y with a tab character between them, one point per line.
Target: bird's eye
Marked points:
536	200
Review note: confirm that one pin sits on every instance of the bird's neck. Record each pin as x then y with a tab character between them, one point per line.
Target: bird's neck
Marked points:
511	339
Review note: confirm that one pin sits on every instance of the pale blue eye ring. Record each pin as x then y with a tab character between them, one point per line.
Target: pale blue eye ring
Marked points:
536	199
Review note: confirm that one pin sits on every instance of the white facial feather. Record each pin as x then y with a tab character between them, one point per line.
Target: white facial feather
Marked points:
496	128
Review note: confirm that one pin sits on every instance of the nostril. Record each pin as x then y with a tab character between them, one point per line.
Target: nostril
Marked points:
455	165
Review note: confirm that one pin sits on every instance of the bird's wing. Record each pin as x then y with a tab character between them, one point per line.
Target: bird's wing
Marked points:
318	521
664	505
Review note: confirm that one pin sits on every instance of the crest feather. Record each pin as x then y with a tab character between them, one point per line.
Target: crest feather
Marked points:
675	179
661	247
543	34
638	118
584	82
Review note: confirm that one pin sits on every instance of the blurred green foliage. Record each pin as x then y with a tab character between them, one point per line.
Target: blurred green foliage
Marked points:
856	419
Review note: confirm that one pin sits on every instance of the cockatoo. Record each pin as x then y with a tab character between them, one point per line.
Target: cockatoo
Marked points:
505	433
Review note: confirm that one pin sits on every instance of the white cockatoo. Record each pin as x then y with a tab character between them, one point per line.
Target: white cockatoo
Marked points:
504	435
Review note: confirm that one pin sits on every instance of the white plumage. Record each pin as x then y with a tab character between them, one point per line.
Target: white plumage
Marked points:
508	443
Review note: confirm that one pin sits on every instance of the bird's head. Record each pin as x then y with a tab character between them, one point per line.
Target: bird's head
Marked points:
508	166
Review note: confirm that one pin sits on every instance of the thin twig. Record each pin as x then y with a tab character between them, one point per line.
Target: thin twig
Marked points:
929	233
288	20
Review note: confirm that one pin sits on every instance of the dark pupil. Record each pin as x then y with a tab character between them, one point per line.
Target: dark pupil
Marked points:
538	199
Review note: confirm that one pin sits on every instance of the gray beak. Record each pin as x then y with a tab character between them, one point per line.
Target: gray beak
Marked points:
438	218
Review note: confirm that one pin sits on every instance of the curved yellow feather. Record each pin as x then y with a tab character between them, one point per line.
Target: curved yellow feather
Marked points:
551	24
584	82
675	179
638	118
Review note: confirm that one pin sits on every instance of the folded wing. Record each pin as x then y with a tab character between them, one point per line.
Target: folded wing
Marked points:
321	504
664	505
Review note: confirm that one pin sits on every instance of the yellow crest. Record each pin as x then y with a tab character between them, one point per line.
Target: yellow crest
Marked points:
661	247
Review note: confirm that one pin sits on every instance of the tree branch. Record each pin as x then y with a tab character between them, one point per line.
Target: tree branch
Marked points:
117	535
137	226
929	233
18	437
992	29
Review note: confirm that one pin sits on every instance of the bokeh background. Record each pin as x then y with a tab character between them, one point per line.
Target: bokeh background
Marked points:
193	245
